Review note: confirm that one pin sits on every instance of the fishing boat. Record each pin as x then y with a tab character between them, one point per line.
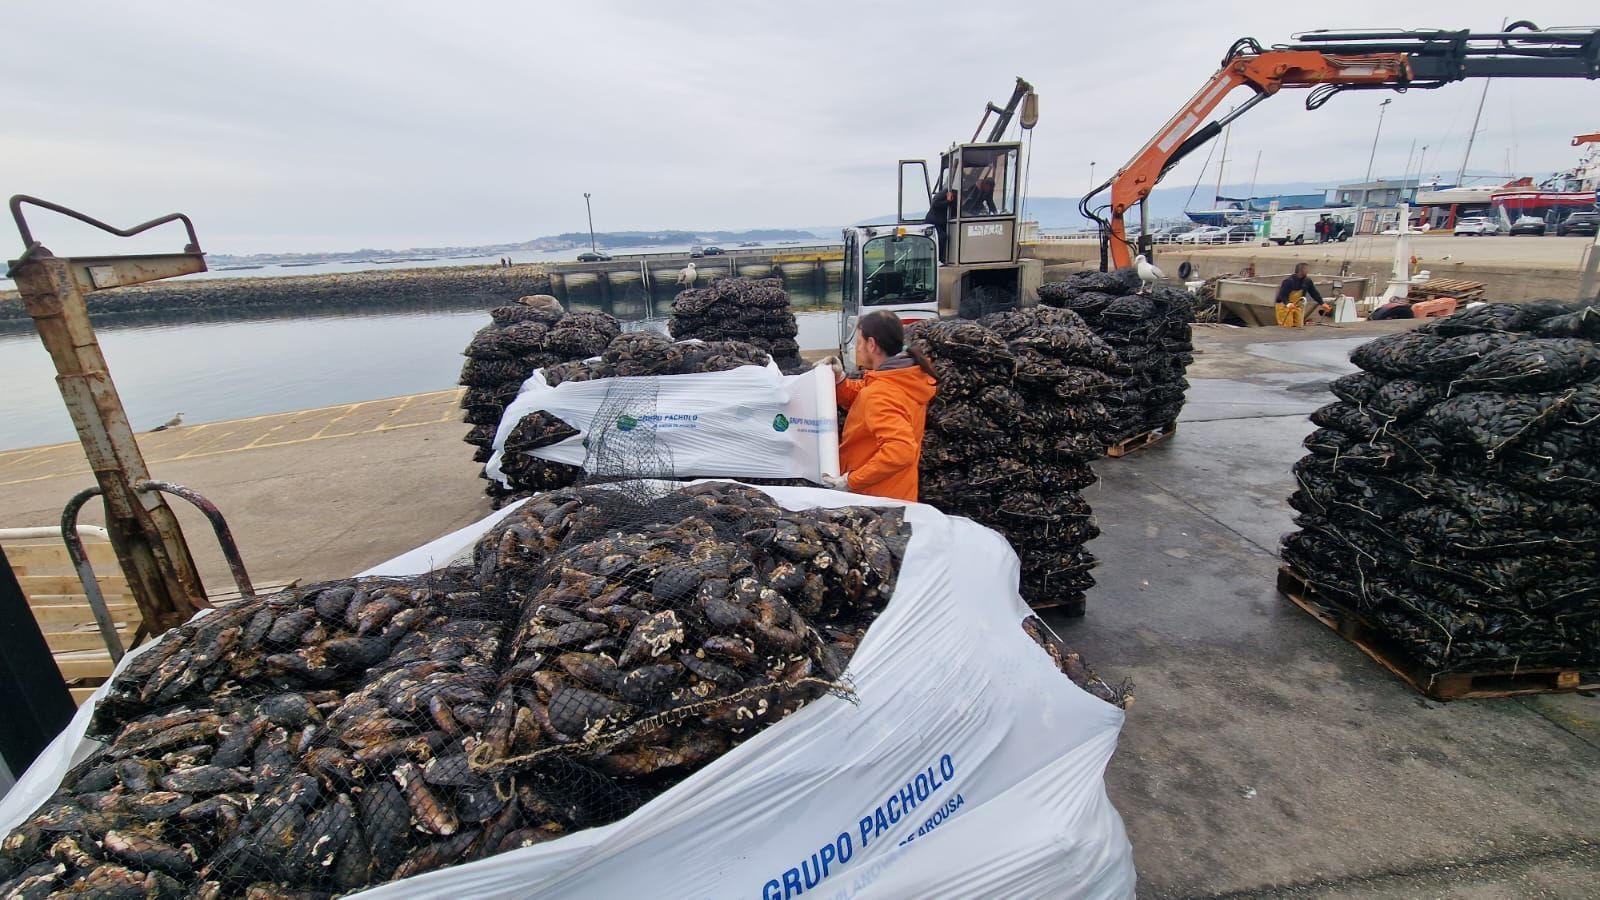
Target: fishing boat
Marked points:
1575	190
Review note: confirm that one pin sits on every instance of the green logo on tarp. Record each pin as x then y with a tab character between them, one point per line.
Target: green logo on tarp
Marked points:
780	422
627	423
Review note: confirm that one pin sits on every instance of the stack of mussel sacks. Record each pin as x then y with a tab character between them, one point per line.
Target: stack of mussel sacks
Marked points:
531	334
632	355
1018	417
601	648
752	310
1451	497
1152	334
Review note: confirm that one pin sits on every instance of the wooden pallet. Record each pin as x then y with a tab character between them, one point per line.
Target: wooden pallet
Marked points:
1490	683
56	598
1072	609
1143	440
1465	291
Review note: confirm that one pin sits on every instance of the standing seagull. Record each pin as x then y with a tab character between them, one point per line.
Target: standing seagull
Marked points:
173	422
1148	274
687	276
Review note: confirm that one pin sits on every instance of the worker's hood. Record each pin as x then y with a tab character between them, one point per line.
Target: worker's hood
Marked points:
905	375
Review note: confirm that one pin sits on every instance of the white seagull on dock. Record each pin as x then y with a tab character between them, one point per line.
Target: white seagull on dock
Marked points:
173	422
687	276
1148	274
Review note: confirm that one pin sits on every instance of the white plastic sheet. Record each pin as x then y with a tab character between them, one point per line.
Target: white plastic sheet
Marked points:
749	422
965	765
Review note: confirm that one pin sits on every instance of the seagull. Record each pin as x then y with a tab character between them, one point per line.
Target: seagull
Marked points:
1148	274
173	422
687	276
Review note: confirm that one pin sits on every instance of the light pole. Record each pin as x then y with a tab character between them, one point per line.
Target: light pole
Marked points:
588	209
1091	174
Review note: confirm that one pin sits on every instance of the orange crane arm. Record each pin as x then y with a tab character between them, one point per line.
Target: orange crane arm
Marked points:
1330	62
1266	73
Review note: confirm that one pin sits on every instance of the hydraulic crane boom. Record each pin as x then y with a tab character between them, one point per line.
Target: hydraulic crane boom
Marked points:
1330	62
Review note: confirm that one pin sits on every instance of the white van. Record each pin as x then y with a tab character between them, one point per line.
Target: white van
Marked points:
1295	226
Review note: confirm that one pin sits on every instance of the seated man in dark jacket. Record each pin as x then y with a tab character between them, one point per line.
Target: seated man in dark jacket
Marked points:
1290	302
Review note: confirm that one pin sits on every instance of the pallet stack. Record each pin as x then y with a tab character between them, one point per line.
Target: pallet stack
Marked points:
57	601
1449	508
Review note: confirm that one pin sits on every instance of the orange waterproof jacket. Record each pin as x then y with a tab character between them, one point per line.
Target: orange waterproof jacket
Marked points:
882	438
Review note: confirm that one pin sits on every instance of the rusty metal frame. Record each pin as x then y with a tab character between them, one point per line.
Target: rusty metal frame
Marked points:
80	562
150	547
219	525
30	245
85	569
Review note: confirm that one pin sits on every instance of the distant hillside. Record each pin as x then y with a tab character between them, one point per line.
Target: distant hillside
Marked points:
564	241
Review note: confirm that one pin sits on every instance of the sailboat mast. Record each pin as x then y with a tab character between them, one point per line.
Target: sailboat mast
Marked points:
1222	164
1253	173
1473	134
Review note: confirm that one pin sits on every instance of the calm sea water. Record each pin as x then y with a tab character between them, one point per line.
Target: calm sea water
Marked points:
226	369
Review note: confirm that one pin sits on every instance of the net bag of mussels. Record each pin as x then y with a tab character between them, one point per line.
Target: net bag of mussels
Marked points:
533	333
1450	494
751	310
621	686
1019	415
689	408
1150	332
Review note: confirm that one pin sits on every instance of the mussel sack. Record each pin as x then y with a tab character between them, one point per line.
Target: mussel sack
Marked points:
1449	494
580	661
1150	332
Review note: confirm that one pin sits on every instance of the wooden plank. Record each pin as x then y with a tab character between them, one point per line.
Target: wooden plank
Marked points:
1482	685
80	694
86	640
62	618
54	556
1070	608
34	585
85	667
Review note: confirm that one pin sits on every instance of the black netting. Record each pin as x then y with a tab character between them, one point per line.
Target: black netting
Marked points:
749	310
533	333
1450	494
605	643
1019	414
1151	333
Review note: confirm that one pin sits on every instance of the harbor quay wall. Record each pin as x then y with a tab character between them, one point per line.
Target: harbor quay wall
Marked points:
1502	280
489	286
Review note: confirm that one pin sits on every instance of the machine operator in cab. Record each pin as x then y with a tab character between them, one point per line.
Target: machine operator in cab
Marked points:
882	440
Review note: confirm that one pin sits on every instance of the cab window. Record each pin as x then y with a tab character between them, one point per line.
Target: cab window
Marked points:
898	270
987	176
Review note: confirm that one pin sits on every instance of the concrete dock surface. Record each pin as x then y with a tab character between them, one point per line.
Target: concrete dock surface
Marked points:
1263	756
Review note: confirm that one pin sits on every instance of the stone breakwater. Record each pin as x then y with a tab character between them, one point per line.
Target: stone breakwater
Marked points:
466	285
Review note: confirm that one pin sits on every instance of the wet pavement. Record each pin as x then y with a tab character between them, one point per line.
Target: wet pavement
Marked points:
1265	756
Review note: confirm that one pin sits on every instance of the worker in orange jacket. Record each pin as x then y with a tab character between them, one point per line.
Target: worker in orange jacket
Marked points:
882	440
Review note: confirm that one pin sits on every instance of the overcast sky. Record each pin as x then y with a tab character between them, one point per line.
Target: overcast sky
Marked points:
296	125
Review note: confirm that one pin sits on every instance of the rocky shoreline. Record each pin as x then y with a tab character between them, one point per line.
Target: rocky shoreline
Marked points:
489	286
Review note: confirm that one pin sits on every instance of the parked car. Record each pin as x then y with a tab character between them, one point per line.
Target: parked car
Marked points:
1583	223
1240	234
1527	225
1478	225
594	256
713	251
1205	234
1169	233
697	251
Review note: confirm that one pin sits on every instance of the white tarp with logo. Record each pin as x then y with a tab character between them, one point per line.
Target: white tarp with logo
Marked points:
749	422
965	765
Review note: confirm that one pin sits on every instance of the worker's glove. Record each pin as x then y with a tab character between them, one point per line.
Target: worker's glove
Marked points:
837	482
832	362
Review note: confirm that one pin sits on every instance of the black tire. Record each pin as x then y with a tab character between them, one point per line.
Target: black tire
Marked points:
1299	239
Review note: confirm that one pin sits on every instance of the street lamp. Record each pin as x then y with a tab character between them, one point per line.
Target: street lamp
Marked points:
1091	174
590	211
